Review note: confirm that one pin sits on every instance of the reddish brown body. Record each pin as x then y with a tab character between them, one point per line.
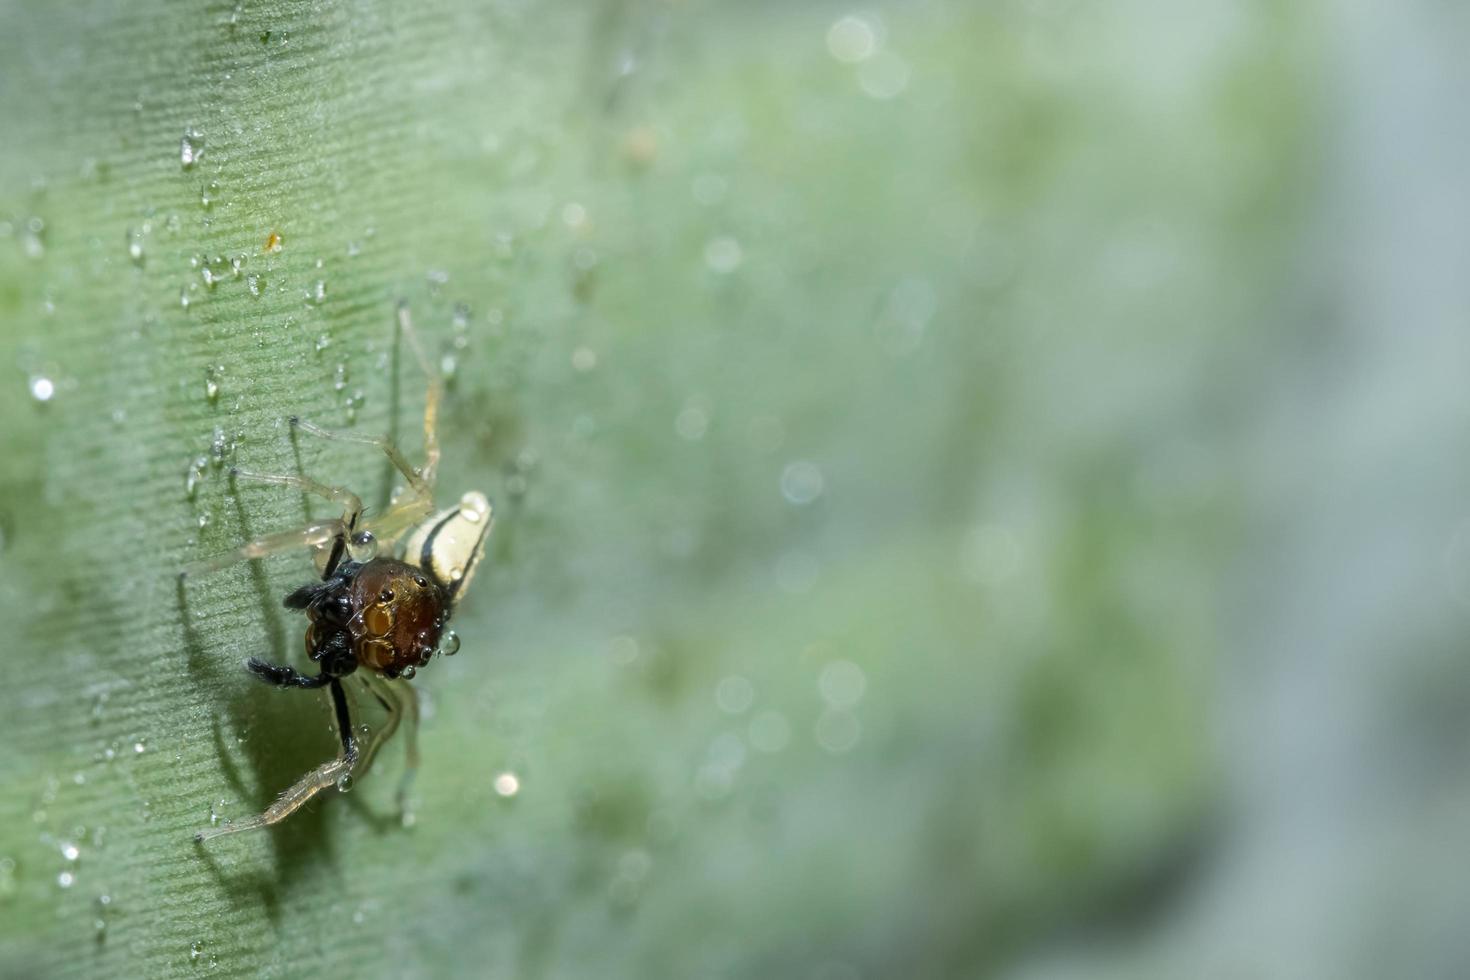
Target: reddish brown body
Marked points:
386	615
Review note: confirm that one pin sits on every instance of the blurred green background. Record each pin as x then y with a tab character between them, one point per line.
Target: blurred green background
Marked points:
973	481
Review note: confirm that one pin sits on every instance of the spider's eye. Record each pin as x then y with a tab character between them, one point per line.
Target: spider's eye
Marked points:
420	581
386	595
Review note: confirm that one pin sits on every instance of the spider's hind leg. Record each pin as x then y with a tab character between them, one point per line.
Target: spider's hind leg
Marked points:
324	776
401	701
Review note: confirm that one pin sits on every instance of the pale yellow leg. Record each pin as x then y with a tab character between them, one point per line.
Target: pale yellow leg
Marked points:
325	776
401	701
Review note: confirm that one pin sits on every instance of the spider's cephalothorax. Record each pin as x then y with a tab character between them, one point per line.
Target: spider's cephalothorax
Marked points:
371	619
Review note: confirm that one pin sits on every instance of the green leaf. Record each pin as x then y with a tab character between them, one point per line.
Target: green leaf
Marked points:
840	385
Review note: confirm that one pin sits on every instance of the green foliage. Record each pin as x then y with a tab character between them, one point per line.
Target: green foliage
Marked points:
852	601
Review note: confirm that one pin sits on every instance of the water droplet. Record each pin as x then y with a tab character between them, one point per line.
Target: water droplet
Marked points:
474	507
734	694
344	783
323	342
769	732
196	950
66	879
135	246
723	255
139	747
191	148
211	383
837	730
317	293
584	359
193	475
801	482
884	77
33	238
408	672
851	39
184	297
256	284
207	195
70	851
449	643
691	423
363	547
219	447
842	683
507	784
42	388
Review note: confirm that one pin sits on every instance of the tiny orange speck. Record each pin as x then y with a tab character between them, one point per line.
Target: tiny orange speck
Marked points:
273	242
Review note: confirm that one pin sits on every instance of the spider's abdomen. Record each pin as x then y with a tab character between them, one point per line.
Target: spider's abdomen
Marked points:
397	616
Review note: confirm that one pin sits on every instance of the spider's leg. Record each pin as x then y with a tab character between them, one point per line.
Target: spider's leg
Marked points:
401	702
420	480
317	535
280	675
324	776
431	399
351	503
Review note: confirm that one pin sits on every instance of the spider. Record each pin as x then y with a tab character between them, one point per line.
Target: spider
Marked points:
374	620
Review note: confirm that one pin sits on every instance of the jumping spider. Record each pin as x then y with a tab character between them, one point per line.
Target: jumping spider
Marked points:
373	619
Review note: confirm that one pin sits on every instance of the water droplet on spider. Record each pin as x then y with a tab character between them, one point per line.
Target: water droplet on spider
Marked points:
135	246
255	283
409	672
363	547
191	148
42	388
449	643
344	783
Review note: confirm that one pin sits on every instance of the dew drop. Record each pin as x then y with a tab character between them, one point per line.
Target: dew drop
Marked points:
723	255
344	783
211	383
256	284
317	293
70	851
184	297
135	246
507	784
191	148
42	388
66	879
449	644
801	482
409	672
